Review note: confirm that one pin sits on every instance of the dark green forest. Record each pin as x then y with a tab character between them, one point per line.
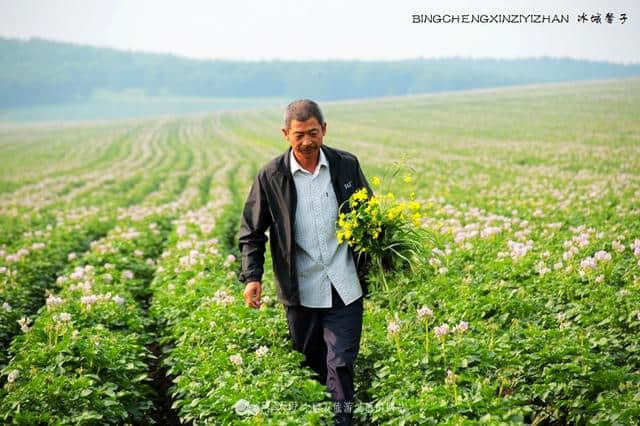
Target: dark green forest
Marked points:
41	72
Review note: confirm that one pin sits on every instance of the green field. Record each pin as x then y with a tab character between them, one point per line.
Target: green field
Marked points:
109	105
118	264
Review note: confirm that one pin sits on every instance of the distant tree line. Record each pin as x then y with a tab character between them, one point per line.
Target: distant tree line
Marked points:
37	71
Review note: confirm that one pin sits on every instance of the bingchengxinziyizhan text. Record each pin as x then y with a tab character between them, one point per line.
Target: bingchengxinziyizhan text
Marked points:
483	18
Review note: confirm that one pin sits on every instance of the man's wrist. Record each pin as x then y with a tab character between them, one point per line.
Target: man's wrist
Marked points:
254	278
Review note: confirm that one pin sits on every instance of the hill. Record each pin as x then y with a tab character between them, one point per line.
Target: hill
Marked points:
39	72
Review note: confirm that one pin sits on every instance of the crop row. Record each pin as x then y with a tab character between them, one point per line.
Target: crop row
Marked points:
228	363
84	357
535	324
27	272
31	262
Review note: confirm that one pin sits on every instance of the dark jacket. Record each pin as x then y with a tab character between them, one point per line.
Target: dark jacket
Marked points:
271	205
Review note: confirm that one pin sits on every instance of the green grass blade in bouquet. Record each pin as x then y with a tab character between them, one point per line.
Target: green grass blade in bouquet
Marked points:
387	229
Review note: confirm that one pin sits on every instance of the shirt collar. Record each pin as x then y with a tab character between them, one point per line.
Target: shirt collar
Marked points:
295	166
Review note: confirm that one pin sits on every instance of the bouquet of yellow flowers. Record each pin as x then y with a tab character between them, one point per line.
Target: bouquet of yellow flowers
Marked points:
387	229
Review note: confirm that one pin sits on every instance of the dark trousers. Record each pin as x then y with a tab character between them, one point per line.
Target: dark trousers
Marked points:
329	338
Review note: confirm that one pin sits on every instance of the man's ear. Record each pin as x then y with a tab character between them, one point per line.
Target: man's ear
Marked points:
324	128
285	133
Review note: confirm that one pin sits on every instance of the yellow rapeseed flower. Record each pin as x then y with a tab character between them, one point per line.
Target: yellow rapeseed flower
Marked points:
407	179
375	181
415	218
360	195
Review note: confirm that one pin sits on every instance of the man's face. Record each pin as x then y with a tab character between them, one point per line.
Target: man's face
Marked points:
305	137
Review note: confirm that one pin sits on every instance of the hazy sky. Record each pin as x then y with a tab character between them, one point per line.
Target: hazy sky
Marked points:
343	29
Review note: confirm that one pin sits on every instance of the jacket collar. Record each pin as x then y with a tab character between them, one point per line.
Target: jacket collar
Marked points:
329	153
295	166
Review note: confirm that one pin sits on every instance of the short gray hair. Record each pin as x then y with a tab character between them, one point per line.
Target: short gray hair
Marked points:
302	110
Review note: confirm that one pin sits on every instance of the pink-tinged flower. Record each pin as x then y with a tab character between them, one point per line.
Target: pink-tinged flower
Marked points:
71	256
3	270
107	278
461	327
118	299
88	300
489	231
7	307
443	270
62	317
230	259
437	251
441	330
519	250
77	275
393	327
262	351
127	274
588	263
557	266
222	297
599	279
108	266
617	246
12	376
24	323
602	256
150	262
236	359
424	312
435	262
451	378
138	253
37	246
541	268
53	301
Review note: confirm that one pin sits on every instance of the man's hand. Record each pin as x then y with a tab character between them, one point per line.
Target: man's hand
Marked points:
251	290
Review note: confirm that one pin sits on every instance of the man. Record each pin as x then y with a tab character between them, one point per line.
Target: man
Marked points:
297	196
